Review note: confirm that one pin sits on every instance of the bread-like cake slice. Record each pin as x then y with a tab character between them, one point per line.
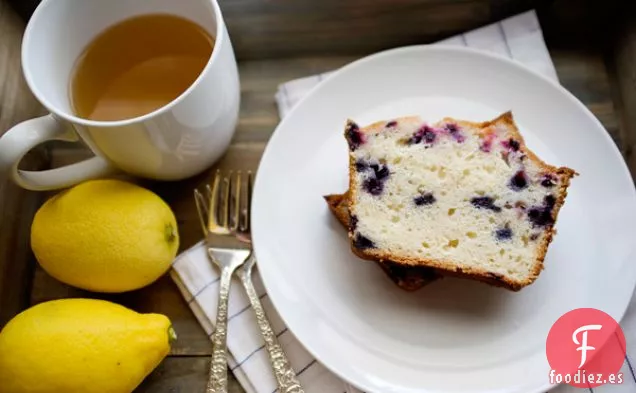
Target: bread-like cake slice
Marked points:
409	278
467	199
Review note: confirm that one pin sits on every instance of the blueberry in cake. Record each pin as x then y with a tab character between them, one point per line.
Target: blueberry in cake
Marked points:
463	198
409	278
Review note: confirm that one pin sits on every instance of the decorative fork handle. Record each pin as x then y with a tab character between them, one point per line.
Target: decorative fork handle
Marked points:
217	382
285	375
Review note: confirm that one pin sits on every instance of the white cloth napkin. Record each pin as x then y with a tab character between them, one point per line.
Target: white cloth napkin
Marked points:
519	38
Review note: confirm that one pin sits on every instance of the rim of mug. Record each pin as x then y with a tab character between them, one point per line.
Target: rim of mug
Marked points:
220	38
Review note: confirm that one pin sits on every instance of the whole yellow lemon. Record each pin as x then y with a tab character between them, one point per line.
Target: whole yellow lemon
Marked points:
105	236
81	346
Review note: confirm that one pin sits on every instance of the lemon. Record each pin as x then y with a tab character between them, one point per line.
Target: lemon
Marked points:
81	345
105	236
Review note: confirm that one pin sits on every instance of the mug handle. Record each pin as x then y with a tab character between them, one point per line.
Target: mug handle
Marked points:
23	137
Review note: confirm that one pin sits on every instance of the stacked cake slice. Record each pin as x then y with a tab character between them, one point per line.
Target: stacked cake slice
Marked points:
452	198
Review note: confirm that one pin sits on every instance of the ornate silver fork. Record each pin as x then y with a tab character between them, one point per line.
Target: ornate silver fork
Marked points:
284	373
217	221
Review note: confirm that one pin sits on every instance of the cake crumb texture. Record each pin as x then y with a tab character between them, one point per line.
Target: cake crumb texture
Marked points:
463	198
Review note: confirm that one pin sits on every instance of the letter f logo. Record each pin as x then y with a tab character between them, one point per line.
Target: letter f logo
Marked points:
583	344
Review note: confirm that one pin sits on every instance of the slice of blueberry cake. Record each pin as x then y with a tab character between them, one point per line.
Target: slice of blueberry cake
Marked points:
409	278
467	199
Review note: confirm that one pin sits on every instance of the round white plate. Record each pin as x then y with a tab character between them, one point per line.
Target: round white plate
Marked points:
453	335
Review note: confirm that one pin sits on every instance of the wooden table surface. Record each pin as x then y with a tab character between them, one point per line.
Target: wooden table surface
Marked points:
582	66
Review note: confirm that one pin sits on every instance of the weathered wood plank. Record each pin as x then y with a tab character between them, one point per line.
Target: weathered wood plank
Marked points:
273	29
579	24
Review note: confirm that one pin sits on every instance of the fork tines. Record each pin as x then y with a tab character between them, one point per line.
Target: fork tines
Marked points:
224	206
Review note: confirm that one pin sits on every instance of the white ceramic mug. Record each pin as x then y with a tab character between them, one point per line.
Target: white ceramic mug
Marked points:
177	141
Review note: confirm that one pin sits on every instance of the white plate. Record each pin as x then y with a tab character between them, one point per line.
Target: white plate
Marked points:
453	335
